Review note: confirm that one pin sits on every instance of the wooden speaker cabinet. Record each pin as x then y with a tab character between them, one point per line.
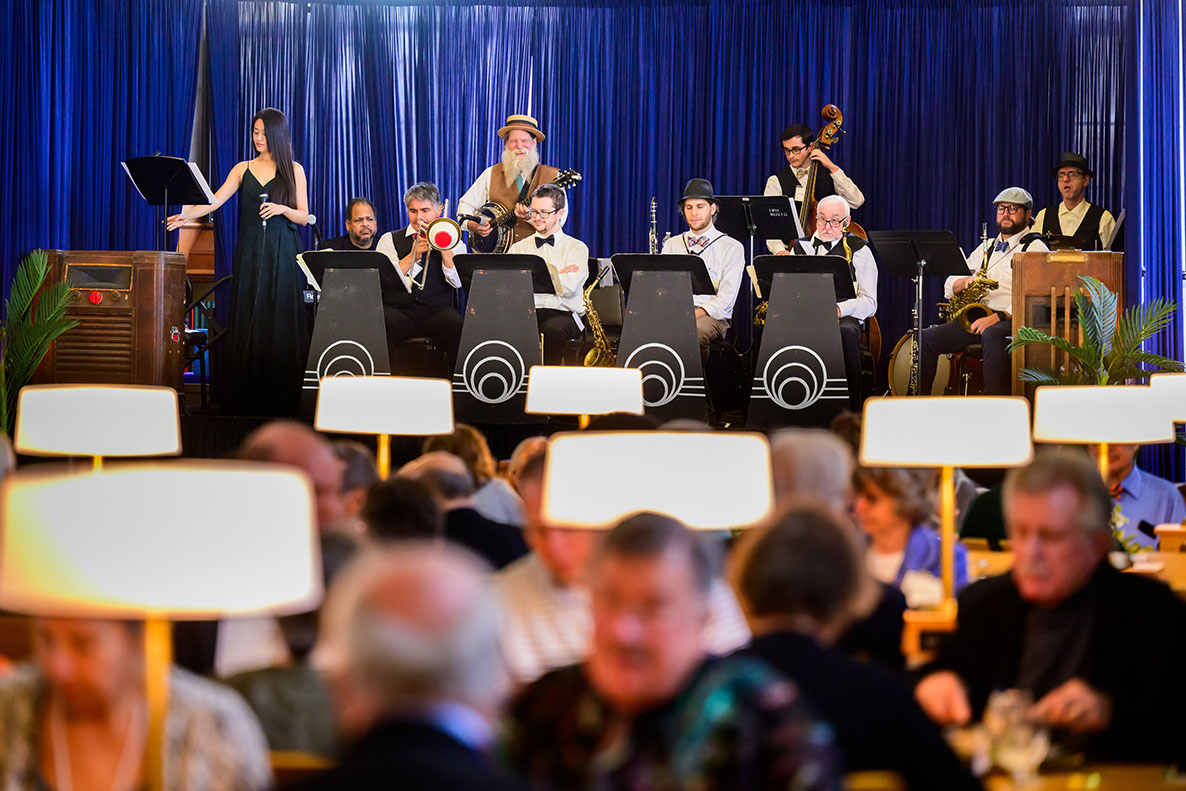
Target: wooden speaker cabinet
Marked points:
1044	288
131	312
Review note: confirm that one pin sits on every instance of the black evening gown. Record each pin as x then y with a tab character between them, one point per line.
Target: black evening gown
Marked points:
269	332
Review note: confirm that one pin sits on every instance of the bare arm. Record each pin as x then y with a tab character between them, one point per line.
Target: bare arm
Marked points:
228	188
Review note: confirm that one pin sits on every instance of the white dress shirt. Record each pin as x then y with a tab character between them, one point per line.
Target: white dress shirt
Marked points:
845	188
547	625
478	194
864	304
566	252
724	257
1070	220
1000	269
386	246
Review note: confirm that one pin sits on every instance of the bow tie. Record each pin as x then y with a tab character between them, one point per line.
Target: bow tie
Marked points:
800	173
698	241
540	241
1002	246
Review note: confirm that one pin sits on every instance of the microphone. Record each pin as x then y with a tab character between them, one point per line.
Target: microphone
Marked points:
263	198
316	233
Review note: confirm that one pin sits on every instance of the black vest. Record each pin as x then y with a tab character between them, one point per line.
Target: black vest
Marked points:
855	243
436	293
1087	237
824	186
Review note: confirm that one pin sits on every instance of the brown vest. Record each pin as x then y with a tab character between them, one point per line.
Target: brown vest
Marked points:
501	193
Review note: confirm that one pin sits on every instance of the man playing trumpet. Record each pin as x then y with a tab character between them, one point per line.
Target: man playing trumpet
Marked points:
420	304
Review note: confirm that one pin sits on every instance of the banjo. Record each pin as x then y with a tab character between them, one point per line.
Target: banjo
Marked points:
502	220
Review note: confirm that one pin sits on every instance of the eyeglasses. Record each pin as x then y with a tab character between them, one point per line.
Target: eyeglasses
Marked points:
795	149
1068	175
833	223
1005	208
541	212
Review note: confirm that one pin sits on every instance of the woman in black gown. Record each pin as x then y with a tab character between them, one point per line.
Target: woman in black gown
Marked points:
268	332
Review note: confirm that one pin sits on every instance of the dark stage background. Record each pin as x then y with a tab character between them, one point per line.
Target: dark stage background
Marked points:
945	103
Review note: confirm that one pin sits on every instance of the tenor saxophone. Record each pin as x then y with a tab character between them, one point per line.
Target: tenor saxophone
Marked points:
968	305
601	353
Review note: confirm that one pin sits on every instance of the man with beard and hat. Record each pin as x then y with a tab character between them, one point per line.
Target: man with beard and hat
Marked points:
1088	225
832	215
1014	207
511	181
723	256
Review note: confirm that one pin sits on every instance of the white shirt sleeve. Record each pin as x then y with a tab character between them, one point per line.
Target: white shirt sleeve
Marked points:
386	246
847	189
720	307
864	304
476	195
571	284
973	264
451	275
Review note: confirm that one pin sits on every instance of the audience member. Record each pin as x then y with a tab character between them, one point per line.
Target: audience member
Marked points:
524	452
548	622
450	482
812	464
1141	500
1095	647
400	508
291	700
358	475
410	653
296	445
493	496
649	707
893	507
77	717
801	582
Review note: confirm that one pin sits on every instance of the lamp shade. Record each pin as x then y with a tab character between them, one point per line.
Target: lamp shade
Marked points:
385	405
97	420
973	431
577	390
1169	393
1100	413
180	541
706	480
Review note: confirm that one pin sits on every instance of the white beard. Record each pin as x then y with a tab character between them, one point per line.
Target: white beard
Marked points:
513	167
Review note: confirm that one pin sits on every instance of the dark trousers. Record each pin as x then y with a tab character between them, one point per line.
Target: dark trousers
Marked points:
952	337
443	325
557	327
850	343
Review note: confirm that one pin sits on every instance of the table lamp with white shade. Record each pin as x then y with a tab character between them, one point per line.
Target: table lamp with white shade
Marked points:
123	544
1169	393
577	390
972	431
97	420
385	405
708	481
1100	415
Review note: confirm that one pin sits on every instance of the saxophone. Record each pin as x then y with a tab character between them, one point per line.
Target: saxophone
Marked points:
601	353
968	305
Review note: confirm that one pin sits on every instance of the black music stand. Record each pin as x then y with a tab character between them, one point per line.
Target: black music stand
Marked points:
162	181
766	266
469	263
626	264
750	218
314	263
918	254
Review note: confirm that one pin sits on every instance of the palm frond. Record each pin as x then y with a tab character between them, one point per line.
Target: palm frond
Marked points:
1085	357
28	279
1098	319
1049	376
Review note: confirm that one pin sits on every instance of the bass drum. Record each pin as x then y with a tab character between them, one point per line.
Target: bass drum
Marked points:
899	368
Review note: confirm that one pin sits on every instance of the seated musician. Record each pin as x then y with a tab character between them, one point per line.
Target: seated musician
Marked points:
513	180
1014	207
420	302
559	315
1088	225
724	257
832	215
792	180
361	228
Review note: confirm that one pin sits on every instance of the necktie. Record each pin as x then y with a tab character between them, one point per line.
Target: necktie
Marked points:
1115	490
540	241
698	241
1002	246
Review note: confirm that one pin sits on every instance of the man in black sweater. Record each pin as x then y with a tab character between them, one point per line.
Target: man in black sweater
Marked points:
360	228
1095	648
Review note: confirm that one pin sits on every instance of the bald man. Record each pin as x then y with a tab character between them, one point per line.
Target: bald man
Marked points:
453	486
410	652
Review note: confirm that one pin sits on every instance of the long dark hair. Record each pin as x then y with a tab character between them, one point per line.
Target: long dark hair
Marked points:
283	191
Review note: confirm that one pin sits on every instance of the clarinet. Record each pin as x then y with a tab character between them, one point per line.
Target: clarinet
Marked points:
653	239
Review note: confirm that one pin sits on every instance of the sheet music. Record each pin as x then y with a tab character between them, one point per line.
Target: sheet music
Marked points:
124	165
198	177
1116	226
312	281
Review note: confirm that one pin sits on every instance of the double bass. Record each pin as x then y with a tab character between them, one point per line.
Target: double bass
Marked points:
823	141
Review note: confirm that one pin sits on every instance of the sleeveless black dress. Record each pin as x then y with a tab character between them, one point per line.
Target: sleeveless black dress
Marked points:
268	333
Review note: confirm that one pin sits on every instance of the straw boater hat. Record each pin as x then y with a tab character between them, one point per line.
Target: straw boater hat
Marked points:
524	122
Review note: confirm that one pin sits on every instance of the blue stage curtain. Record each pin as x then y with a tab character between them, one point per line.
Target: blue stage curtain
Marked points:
87	85
1157	197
